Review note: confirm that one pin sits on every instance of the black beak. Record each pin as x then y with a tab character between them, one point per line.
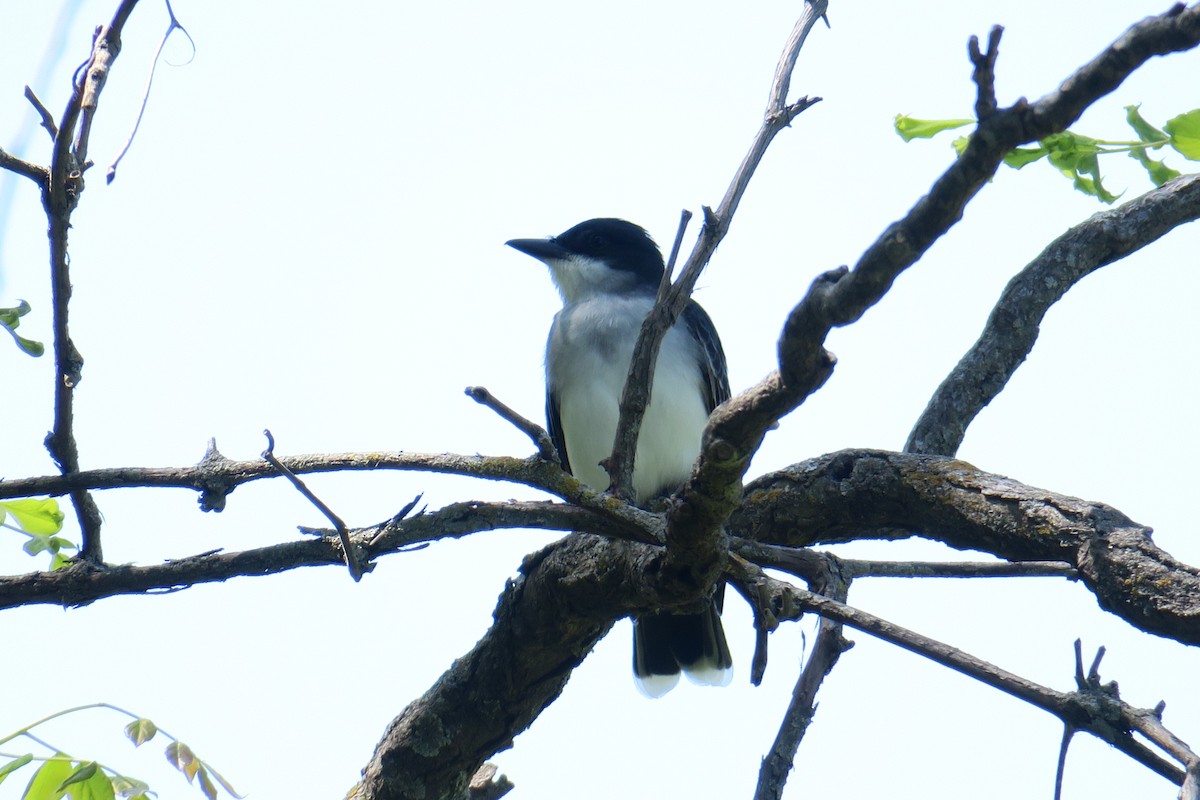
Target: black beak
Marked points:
541	249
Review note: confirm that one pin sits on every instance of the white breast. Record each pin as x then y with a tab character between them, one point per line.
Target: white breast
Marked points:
587	359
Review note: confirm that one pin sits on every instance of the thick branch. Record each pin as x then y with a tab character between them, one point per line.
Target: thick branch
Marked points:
1012	328
875	494
841	296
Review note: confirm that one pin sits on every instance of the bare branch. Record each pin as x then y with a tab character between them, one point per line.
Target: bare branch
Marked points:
349	554
59	197
43	112
1090	710
635	396
828	648
37	174
541	439
840	297
83	583
1012	328
876	494
985	72
172	26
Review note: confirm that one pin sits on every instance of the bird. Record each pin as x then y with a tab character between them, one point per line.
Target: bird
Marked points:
608	272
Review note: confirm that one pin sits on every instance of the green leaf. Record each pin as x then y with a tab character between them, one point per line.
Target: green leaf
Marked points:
34	515
960	144
46	781
1024	155
129	787
183	759
98	786
1185	134
224	783
140	731
1144	130
15	765
1075	156
84	772
910	128
10	319
1160	173
206	785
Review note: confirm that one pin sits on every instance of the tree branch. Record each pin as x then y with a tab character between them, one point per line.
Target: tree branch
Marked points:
1012	328
1093	709
635	397
82	583
60	195
828	648
854	494
38	174
216	476
840	297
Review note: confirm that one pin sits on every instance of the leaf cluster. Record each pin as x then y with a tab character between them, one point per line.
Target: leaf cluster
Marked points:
41	520
1077	156
63	776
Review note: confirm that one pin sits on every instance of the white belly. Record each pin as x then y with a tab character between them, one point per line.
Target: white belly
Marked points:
588	361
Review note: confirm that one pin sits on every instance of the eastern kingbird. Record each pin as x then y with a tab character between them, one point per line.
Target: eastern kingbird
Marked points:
608	271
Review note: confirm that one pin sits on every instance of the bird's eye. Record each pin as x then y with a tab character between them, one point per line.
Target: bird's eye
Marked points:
596	241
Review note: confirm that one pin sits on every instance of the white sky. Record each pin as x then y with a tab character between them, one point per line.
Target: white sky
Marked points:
308	236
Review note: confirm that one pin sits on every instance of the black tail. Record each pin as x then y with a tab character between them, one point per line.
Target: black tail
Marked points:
663	644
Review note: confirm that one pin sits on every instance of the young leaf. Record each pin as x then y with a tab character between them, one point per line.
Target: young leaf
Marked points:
34	515
129	787
140	731
84	772
97	787
224	783
1144	130
910	128
1185	134
206	785
45	783
17	763
10	319
1024	155
183	759
1160	173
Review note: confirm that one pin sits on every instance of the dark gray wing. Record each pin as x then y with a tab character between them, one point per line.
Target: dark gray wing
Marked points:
554	424
713	370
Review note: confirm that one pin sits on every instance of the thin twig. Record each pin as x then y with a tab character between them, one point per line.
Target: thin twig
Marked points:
1089	711
172	26
828	648
348	551
985	72
1061	768
635	396
541	439
664	285
38	174
43	112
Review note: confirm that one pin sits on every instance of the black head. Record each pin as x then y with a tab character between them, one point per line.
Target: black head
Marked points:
619	244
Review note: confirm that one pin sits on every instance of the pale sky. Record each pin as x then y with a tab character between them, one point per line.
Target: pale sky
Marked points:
308	236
